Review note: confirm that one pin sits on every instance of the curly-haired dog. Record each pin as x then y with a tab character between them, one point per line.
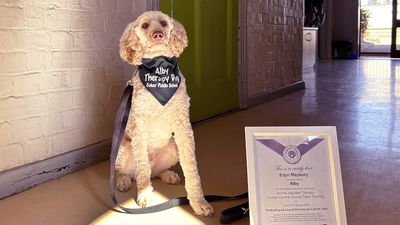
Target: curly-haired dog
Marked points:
157	136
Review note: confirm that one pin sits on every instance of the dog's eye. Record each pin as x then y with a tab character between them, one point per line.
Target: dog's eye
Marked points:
163	23
145	25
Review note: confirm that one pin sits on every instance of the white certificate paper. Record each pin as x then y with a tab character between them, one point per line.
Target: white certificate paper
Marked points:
294	176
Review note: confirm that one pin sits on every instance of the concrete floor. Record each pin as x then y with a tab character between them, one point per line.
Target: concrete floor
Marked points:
360	97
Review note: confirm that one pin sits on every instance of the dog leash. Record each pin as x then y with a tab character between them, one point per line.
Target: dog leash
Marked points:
227	216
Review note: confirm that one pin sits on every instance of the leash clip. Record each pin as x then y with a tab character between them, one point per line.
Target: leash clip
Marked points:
245	210
129	82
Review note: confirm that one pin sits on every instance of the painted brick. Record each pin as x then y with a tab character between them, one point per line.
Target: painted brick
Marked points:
34	16
114	74
5	134
32	39
84	39
78	118
27	128
80	20
85	4
82	59
102	93
110	6
52	123
107	57
116	91
67	118
86	21
125	7
72	59
36	104
55	81
56	20
128	71
275	42
97	21
77	138
37	60
111	38
11	17
98	74
112	107
36	149
139	7
82	78
56	145
25	84
102	128
114	24
59	69
60	60
108	40
60	101
96	110
14	154
11	108
6	87
51	4
83	97
61	40
7	42
13	62
13	3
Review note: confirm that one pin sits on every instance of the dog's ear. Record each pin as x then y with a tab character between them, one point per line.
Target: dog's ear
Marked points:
178	40
130	48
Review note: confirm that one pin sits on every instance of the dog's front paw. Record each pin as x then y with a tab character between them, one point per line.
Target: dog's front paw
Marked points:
202	208
124	183
144	197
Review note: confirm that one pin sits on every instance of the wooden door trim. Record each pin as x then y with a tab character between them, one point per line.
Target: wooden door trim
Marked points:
242	55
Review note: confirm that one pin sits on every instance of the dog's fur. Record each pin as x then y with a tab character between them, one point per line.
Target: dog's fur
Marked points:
156	136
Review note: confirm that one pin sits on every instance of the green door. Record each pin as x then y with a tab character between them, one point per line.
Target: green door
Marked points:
209	64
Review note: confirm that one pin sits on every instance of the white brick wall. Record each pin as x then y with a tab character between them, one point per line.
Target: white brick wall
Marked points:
274	49
60	74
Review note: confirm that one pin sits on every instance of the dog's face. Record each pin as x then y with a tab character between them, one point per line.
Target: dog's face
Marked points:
152	34
154	30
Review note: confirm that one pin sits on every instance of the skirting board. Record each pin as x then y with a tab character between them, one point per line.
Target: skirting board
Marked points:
275	93
24	177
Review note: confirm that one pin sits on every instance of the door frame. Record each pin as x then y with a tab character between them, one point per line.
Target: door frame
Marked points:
394	53
242	54
242	50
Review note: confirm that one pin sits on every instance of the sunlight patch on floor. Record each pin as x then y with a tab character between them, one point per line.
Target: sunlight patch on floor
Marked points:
174	216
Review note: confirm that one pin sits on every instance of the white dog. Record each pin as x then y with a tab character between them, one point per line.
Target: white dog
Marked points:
158	133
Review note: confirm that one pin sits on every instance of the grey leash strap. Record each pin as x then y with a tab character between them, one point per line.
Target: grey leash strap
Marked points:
227	216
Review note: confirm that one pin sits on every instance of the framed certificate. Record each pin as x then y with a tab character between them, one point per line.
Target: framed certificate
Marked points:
294	176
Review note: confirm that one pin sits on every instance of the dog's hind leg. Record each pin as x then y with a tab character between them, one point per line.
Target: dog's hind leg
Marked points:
162	159
124	182
169	177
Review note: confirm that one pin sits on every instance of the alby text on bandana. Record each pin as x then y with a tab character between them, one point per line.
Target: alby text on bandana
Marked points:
160	76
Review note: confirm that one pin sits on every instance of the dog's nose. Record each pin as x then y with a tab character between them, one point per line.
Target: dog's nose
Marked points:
157	35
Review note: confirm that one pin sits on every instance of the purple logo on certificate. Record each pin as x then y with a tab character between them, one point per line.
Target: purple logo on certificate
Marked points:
291	153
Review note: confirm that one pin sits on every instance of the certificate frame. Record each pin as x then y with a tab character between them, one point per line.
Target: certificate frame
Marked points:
253	134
